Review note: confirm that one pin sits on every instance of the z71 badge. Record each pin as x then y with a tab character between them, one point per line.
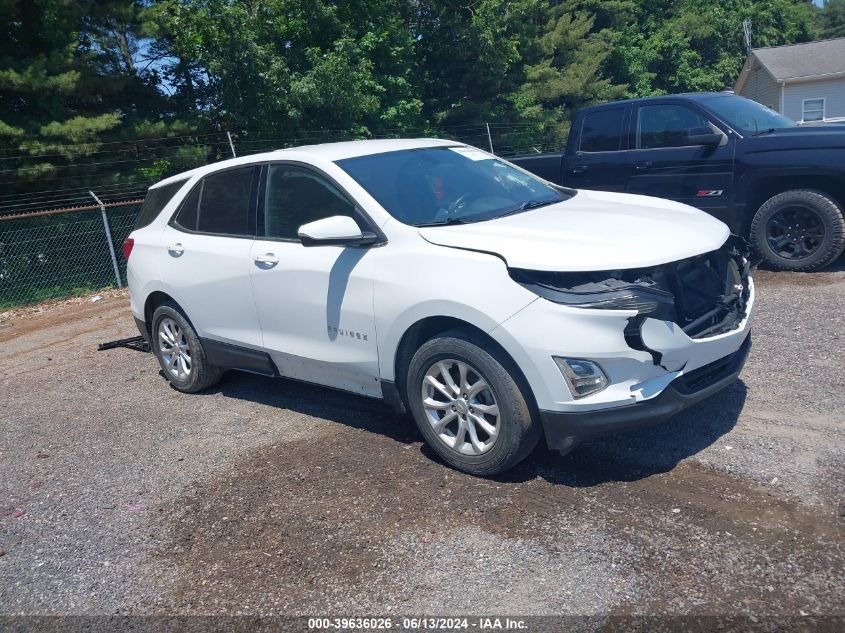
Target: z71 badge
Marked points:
710	193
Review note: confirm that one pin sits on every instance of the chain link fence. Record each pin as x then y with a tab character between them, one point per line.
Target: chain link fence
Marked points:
63	254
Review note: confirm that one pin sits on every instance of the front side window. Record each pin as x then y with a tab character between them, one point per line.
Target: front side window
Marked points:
602	130
448	185
813	110
221	203
668	126
297	196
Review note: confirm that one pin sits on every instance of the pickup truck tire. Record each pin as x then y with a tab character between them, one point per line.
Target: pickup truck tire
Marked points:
482	391
180	352
799	230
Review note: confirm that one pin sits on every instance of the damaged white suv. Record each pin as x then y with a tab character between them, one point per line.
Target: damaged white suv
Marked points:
494	306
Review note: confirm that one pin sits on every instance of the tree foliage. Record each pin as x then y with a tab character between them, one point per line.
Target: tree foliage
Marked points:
76	76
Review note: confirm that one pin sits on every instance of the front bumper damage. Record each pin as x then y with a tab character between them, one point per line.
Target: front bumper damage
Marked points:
564	429
657	364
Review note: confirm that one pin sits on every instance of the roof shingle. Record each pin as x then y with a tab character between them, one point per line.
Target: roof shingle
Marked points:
803	60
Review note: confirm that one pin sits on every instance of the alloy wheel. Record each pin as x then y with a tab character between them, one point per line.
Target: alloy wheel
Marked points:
174	347
795	232
460	407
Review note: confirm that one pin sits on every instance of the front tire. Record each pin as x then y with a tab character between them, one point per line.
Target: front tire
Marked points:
180	352
468	404
799	230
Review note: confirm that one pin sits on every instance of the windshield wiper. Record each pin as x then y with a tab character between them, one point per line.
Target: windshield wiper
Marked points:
761	132
531	204
446	222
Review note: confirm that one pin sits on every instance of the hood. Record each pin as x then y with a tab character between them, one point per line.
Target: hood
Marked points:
593	230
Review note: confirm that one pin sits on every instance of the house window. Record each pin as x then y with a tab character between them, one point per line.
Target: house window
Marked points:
813	110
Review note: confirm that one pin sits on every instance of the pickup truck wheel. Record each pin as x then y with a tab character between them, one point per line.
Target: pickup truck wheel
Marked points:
469	408
180	352
800	230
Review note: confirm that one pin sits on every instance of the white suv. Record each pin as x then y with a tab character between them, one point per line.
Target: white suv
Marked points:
494	306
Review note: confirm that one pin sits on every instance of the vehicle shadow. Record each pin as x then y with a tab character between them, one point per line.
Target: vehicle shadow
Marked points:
638	454
624	457
354	411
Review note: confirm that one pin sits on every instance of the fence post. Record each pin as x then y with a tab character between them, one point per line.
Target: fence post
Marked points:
489	138
108	238
231	145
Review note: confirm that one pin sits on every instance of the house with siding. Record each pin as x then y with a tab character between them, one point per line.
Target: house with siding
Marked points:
805	82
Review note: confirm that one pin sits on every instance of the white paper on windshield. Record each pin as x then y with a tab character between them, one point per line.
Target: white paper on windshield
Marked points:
472	153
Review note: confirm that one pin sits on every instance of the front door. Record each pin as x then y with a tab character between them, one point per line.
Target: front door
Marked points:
206	259
665	166
315	303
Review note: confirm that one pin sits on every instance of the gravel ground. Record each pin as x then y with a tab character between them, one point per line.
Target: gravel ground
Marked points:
123	496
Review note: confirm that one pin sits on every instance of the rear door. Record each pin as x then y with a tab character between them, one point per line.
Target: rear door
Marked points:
315	303
599	158
663	164
206	259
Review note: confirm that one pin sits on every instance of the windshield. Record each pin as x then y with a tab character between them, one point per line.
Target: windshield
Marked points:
746	115
448	185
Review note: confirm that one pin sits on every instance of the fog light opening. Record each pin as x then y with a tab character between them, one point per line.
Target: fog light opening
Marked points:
584	377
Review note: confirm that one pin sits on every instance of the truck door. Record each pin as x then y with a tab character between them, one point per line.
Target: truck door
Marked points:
597	156
678	153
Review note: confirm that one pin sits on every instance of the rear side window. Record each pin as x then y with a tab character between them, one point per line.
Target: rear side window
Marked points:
156	199
602	130
221	203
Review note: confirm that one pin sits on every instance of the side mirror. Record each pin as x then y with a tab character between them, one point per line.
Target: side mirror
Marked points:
708	139
338	230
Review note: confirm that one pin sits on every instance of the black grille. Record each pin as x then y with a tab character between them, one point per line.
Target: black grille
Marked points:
712	373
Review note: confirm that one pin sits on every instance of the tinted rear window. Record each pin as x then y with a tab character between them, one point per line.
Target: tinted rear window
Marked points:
225	203
221	203
155	201
602	130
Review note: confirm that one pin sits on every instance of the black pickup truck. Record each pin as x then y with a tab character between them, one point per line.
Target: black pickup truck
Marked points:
777	183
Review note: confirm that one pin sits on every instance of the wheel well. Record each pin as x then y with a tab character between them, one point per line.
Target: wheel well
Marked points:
429	328
762	190
153	301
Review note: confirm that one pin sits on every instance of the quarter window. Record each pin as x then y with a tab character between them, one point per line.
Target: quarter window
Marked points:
813	110
602	130
221	203
668	126
297	196
155	200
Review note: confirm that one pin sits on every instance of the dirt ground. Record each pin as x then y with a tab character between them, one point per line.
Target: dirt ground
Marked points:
119	495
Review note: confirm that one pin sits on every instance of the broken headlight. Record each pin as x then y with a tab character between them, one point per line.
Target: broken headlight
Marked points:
599	291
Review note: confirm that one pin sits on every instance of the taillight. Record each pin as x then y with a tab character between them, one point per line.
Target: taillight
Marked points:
127	248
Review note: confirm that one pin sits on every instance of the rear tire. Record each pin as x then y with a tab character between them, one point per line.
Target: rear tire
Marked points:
799	230
490	426
180	352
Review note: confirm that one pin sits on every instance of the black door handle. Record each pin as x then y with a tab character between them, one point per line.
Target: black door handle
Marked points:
642	166
579	169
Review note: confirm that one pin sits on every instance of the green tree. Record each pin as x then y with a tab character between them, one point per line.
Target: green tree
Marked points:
276	67
69	84
670	46
833	18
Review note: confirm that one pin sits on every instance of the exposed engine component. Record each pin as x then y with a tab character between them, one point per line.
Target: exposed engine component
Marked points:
706	295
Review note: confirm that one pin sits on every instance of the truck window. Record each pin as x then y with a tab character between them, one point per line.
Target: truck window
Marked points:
667	125
602	130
